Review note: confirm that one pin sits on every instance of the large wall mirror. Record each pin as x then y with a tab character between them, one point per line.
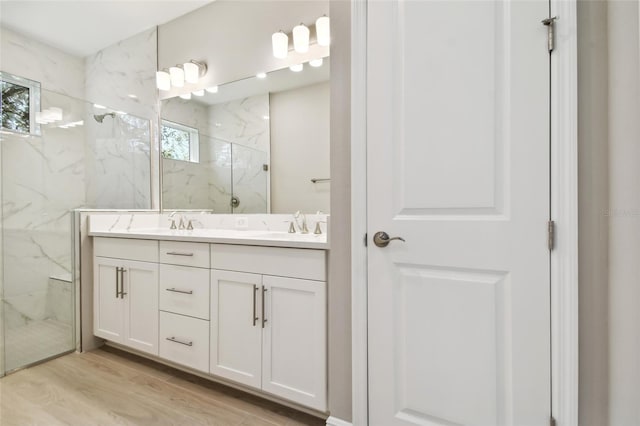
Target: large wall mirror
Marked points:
257	145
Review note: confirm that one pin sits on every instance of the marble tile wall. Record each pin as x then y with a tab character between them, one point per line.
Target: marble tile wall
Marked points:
55	70
122	77
243	121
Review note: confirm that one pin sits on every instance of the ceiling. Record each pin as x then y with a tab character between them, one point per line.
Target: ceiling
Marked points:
82	27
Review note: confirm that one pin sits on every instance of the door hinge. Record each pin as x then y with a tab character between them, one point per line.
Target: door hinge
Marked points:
552	421
551	234
550	23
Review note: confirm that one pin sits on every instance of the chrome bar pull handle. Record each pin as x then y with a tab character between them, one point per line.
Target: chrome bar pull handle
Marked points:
175	290
177	253
117	282
254	316
264	319
174	340
382	239
122	293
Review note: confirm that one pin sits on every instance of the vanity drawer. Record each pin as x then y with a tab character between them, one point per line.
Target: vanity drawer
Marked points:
184	290
126	248
284	262
183	253
184	340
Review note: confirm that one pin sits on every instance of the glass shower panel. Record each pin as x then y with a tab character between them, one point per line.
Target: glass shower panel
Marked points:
118	160
204	184
249	179
42	180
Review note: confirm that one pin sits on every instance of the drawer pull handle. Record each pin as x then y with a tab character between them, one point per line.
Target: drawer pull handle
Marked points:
177	253
175	290
254	316
174	340
264	313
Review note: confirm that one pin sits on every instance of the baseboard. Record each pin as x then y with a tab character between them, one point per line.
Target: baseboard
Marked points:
334	421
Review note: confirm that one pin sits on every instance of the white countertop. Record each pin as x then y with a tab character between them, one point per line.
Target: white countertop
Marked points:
104	226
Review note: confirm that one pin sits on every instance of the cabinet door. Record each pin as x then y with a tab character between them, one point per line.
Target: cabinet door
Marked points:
108	307
141	306
294	340
236	329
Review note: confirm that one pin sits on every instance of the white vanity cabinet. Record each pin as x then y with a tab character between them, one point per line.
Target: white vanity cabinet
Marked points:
268	324
184	303
126	292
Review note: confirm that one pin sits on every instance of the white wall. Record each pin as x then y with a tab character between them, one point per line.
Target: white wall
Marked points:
593	197
624	212
300	149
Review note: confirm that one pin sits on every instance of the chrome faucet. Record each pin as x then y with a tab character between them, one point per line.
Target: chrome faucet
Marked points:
181	224
302	227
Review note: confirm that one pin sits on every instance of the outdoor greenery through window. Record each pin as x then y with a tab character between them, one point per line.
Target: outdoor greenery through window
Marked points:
19	101
179	142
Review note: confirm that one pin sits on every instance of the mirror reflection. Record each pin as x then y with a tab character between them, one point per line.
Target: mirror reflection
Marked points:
258	145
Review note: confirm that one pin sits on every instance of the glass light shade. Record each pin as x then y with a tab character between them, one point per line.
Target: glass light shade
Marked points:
177	76
191	72
301	38
296	67
212	89
163	80
198	92
280	44
323	32
316	62
186	96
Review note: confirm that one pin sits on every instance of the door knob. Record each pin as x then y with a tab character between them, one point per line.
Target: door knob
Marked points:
382	239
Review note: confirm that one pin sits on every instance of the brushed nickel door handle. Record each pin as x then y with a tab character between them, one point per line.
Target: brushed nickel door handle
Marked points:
122	293
255	317
382	239
264	319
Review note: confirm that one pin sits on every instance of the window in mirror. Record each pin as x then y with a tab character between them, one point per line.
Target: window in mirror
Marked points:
20	99
180	142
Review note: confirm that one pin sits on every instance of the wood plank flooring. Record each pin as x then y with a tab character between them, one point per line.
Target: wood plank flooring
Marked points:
111	387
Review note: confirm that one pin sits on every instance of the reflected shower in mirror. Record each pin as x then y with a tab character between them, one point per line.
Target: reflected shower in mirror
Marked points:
258	145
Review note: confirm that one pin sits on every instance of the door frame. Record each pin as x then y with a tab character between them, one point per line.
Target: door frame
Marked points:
564	211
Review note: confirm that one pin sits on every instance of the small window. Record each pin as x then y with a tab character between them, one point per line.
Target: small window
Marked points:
179	142
20	100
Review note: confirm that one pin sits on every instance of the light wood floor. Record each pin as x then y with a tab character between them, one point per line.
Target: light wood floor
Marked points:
111	387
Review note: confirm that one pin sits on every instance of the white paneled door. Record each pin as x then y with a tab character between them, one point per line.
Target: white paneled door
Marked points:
458	166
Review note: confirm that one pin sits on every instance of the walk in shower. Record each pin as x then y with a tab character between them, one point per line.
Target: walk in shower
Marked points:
62	154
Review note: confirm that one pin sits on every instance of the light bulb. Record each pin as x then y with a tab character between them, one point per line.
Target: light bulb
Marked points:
280	44
261	75
316	62
212	89
186	96
301	38
177	76
163	80
323	32
198	92
296	67
191	72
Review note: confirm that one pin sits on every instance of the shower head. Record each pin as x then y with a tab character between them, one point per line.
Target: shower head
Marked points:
100	117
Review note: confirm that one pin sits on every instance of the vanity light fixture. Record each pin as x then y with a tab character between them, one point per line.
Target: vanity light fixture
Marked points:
186	96
316	62
296	67
163	80
212	89
261	75
177	76
301	38
198	92
280	44
193	70
323	34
